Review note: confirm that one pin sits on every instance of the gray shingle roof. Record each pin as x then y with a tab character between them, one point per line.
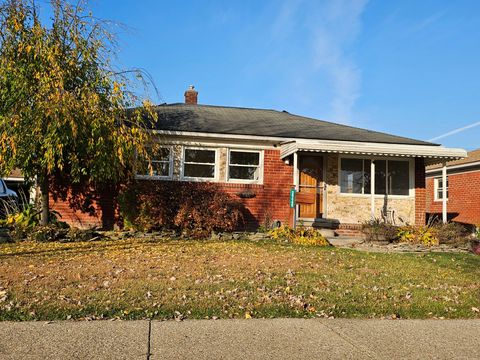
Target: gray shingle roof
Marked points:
272	123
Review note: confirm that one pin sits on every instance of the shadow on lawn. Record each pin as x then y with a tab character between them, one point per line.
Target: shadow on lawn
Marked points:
90	248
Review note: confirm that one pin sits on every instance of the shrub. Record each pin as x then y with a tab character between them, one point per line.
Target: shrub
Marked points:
23	221
27	217
425	235
282	233
301	235
196	209
451	233
128	206
378	230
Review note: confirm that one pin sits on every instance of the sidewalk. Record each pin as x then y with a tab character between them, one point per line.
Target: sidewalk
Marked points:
242	339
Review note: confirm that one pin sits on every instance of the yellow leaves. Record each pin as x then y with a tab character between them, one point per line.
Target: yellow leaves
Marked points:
248	315
68	97
16	24
116	87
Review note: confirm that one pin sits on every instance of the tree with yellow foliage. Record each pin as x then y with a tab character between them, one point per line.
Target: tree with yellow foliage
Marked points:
63	107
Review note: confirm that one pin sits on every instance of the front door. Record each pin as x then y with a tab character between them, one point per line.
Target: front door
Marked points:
310	184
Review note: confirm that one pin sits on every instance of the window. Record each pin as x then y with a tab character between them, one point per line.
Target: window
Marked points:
398	177
199	163
391	176
161	160
438	188
352	176
244	165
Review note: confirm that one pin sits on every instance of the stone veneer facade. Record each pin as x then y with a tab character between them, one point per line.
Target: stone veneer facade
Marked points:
355	209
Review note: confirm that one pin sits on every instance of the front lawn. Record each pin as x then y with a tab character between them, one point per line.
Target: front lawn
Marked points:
142	278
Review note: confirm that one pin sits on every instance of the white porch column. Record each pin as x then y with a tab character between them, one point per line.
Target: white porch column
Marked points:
372	188
296	184
295	170
444	192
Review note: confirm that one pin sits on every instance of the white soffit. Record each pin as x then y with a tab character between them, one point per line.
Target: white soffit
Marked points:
435	153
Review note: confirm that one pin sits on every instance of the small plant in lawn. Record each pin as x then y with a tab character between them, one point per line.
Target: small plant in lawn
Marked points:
301	236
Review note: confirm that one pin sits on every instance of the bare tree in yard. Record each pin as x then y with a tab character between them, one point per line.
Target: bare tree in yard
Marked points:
63	108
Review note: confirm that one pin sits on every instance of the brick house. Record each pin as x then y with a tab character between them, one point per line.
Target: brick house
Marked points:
343	175
462	189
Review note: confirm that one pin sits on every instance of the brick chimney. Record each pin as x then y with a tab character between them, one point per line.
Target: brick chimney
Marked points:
191	95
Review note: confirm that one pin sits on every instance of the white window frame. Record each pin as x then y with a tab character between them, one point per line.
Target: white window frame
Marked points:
411	178
245	181
216	164
436	188
170	167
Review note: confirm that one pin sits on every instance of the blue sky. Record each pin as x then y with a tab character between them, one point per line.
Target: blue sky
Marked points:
410	68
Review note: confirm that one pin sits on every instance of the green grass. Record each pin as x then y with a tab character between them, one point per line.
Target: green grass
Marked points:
141	278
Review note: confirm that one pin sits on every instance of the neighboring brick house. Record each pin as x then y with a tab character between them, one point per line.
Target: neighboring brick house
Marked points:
463	189
344	175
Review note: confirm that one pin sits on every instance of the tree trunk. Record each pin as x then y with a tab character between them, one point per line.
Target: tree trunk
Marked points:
44	203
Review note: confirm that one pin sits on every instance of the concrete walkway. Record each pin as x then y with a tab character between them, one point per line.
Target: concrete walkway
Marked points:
242	339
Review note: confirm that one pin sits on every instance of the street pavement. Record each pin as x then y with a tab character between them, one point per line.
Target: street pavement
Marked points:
242	339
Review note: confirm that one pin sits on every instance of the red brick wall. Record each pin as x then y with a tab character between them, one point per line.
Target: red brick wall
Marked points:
271	198
85	209
463	203
74	217
420	204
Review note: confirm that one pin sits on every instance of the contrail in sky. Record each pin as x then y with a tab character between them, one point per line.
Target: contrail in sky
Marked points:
463	128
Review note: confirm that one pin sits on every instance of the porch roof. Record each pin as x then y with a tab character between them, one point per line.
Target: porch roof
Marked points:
432	154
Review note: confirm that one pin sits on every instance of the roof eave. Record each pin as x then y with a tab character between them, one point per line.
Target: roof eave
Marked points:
432	154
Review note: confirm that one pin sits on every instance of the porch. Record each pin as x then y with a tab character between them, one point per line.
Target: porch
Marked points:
344	183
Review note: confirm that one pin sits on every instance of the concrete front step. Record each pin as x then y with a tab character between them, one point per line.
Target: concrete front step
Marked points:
345	241
332	227
319	223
